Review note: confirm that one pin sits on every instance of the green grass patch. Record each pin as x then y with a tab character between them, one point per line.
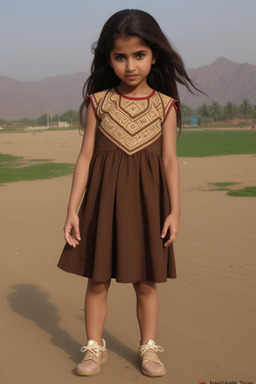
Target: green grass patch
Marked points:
36	130
223	185
247	192
17	168
13	130
216	143
39	160
75	128
9	159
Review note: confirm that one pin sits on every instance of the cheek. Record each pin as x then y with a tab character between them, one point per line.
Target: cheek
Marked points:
117	67
113	63
148	66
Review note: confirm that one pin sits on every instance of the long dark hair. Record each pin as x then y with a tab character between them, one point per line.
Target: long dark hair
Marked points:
165	73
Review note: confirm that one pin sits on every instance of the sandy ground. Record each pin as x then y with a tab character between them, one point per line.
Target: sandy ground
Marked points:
207	315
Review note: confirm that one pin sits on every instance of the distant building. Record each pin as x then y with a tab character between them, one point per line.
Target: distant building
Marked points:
60	124
194	121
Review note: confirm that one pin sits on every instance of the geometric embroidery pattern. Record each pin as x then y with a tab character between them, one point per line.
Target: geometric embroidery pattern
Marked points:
131	123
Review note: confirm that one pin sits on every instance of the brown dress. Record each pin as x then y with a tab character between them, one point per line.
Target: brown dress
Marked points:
126	199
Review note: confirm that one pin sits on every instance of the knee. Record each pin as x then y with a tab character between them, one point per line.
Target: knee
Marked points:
98	288
144	288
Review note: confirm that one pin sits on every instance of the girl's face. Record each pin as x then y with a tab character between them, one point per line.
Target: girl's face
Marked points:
131	61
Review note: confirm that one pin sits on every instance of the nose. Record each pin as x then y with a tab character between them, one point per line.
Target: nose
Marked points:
129	65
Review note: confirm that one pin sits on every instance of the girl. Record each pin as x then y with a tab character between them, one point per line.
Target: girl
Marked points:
129	217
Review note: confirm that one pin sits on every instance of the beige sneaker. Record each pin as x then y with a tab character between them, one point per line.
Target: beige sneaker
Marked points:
150	364
95	355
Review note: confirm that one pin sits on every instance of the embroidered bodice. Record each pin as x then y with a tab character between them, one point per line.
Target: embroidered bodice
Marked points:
131	123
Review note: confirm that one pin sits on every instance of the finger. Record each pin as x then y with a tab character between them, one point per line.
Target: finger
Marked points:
68	237
70	240
76	232
75	242
164	231
167	243
67	232
172	238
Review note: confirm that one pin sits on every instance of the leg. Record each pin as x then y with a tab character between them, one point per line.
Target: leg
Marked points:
95	307
147	309
95	316
147	313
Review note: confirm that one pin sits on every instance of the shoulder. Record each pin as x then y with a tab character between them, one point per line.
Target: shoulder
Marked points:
168	101
164	103
96	98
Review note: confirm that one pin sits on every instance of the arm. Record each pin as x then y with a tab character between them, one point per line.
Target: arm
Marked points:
172	175
80	177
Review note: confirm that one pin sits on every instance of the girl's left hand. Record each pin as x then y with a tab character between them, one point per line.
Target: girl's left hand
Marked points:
171	225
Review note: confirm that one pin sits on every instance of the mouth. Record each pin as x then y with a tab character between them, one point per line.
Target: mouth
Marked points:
131	77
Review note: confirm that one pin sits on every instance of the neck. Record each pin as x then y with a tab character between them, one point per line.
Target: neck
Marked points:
134	91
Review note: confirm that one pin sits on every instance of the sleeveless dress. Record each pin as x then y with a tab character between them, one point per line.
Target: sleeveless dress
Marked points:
126	199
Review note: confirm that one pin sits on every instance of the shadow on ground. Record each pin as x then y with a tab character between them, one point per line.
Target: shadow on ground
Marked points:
32	303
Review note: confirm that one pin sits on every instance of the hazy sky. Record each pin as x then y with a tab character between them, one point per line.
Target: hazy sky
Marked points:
42	38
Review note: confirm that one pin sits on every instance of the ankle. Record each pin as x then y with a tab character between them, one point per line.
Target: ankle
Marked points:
98	340
145	340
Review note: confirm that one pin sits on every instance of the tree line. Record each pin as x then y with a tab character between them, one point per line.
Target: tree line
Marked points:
46	119
205	114
215	112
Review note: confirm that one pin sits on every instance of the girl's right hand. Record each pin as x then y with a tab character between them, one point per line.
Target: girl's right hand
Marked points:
71	229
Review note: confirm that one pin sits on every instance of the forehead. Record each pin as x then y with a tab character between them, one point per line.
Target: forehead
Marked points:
129	44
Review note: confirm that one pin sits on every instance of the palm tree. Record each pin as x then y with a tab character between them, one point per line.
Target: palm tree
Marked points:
230	110
204	110
246	109
254	111
216	111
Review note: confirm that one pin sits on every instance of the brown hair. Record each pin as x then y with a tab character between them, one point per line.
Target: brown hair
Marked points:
165	73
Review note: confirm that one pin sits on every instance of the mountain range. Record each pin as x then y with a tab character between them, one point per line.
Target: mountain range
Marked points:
223	81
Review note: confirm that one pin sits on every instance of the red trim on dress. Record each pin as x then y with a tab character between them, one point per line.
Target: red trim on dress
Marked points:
175	104
89	100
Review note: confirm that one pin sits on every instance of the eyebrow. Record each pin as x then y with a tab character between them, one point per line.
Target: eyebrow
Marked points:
134	53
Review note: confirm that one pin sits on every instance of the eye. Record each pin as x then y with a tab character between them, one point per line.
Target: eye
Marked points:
119	58
140	55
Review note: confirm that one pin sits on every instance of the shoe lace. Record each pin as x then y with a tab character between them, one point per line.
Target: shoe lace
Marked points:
155	348
95	350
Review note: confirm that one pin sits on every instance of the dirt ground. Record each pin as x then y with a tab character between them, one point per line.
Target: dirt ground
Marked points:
207	315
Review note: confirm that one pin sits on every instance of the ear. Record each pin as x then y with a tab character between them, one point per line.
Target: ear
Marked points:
153	60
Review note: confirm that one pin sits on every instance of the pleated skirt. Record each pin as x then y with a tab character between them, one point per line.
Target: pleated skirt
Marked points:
121	218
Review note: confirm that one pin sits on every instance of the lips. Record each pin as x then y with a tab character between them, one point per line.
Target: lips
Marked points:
131	77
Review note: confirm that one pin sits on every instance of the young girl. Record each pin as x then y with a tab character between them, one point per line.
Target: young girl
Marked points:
128	168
